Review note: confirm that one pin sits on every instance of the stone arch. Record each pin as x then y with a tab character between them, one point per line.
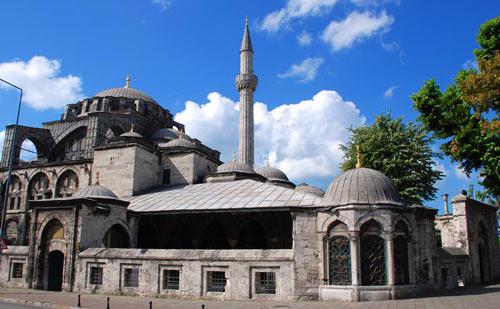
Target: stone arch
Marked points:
39	141
15	193
382	221
115	128
39	187
373	253
252	236
337	217
403	218
116	236
67	183
215	236
48	220
70	146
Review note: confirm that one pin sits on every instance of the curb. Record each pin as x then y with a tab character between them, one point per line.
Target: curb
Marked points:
36	304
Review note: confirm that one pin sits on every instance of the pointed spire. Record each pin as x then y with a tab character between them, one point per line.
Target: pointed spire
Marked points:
132	128
181	133
246	43
358	157
127	81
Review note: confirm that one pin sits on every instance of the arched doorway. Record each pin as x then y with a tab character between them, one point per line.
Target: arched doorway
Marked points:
373	268
55	263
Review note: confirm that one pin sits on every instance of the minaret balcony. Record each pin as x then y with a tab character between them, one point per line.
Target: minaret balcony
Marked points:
246	81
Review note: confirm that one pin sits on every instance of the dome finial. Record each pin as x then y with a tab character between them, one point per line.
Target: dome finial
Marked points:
246	21
358	157
127	81
132	128
97	178
181	133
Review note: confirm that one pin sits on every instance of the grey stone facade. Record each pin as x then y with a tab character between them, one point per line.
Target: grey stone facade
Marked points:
121	201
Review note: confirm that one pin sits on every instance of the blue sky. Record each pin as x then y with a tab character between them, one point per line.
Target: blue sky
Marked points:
182	51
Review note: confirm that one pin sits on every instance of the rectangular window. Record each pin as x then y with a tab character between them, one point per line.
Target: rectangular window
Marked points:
12	203
170	279
131	277
216	281
166	177
17	270
265	283
95	275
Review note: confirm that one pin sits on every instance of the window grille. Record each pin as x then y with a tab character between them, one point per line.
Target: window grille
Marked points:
265	283
170	279
401	260
372	260
131	278
96	275
17	270
339	260
216	281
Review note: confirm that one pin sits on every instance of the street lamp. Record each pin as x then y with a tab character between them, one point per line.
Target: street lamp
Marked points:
11	163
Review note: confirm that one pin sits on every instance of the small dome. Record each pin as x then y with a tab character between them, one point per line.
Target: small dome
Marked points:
273	174
169	134
305	188
235	167
94	191
178	143
362	186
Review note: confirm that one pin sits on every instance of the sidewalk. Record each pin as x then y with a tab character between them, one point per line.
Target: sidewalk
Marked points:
468	298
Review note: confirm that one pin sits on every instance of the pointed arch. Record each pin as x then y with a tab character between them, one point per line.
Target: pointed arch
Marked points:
67	184
373	264
116	237
39	187
71	146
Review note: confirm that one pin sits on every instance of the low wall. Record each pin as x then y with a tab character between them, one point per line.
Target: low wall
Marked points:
365	293
242	270
13	267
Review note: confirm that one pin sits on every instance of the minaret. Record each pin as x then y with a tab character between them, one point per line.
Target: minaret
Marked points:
246	83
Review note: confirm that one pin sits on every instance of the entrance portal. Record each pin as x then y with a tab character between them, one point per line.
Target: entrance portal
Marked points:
56	264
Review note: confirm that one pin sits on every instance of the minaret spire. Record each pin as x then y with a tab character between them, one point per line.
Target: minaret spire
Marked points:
246	83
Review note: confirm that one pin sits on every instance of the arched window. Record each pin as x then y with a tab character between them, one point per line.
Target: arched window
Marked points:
39	187
15	193
373	269
339	255
215	237
116	237
71	147
11	232
401	239
482	250
252	236
28	152
67	184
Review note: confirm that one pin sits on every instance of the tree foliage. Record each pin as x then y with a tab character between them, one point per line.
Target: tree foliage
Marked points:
466	115
401	151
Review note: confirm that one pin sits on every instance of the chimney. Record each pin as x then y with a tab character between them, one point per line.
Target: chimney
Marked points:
445	199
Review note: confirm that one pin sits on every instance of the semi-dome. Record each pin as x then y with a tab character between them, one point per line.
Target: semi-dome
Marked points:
126	92
273	174
362	186
178	143
95	191
232	167
305	188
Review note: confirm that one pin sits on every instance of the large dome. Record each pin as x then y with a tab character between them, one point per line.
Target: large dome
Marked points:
273	174
235	167
126	92
362	186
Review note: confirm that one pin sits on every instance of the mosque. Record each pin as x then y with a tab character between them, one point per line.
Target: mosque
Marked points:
121	201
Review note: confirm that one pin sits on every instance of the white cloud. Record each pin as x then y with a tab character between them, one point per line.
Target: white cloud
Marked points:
294	9
164	4
42	83
459	172
354	28
301	138
306	70
304	38
389	93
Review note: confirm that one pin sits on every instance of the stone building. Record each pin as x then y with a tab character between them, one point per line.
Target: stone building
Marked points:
121	200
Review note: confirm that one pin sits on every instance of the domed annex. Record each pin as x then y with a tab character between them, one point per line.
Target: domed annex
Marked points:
362	186
233	166
276	176
131	133
95	191
180	142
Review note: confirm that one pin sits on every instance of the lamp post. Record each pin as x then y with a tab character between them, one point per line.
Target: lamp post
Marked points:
11	163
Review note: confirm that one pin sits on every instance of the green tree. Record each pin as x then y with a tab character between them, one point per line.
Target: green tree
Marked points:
466	115
400	151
